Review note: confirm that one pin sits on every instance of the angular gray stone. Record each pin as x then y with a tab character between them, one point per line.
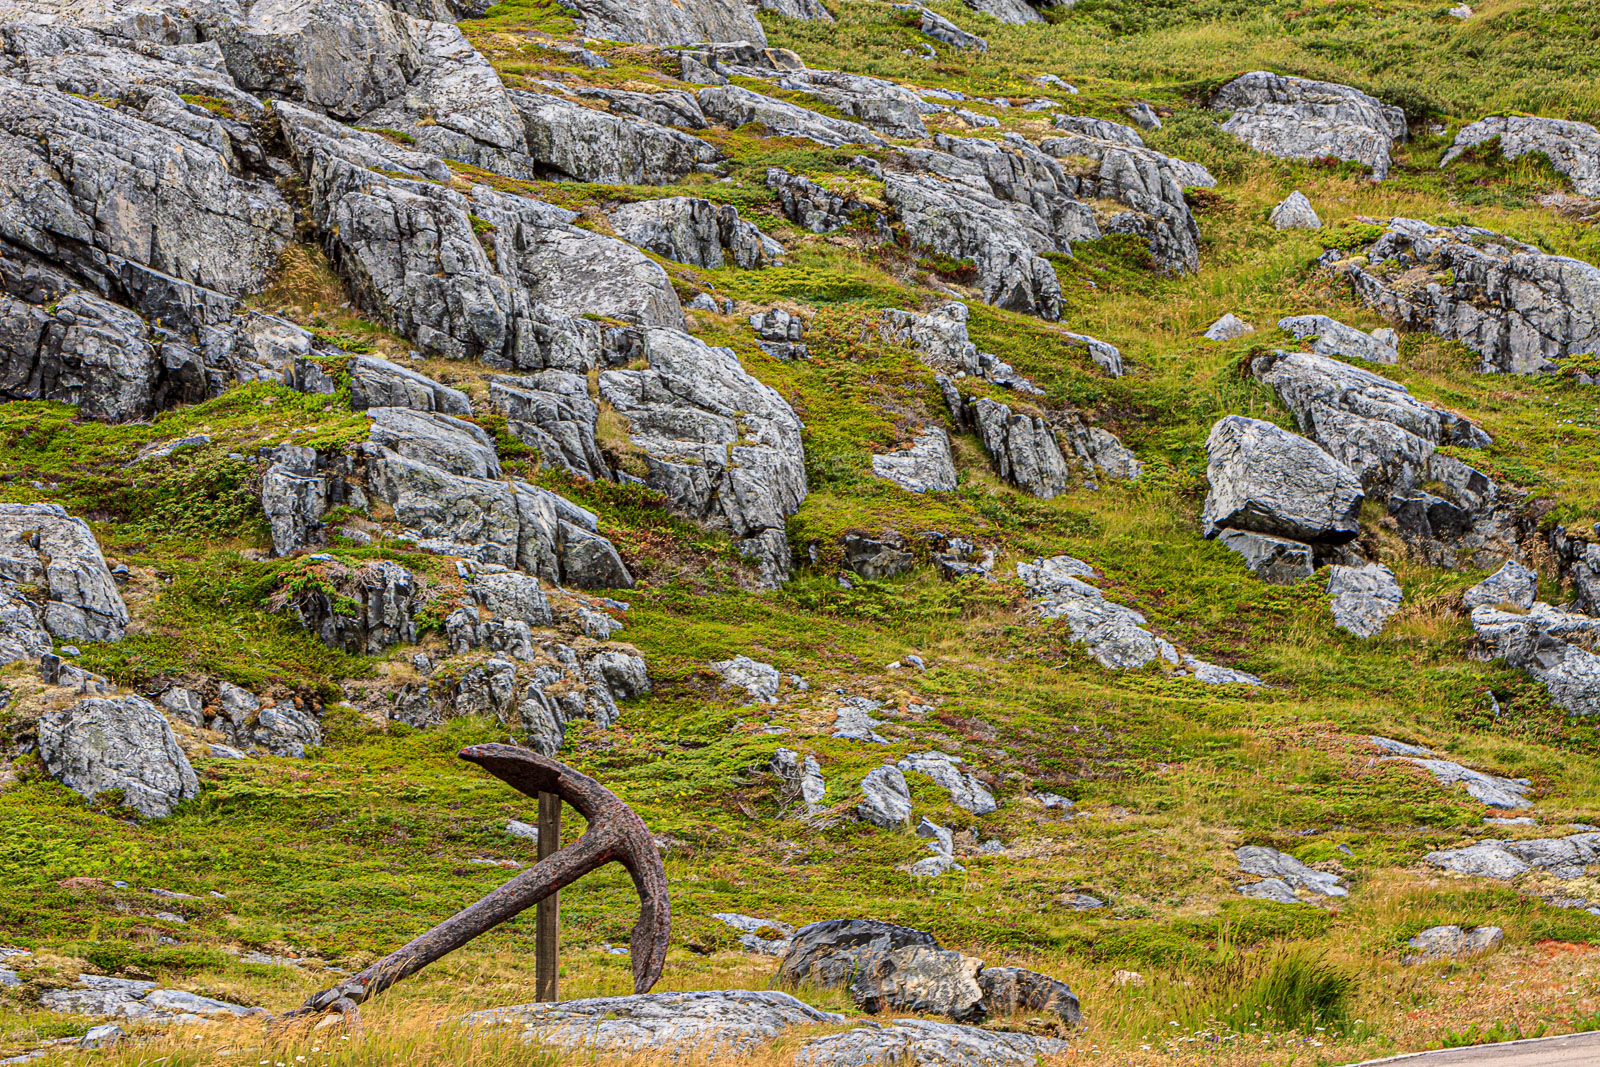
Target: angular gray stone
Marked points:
1275	560
44	547
1144	116
1294	212
1228	328
966	792
1267	480
925	467
802	777
184	705
1023	447
813	207
1296	118
1519	308
804	10
372	608
755	933
885	967
694	231
759	680
724	448
1334	338
572	142
877	104
666	23
1565	858
718	1022
927	1044
1452	942
377	383
1573	148
734	105
936	26
553	412
1099	129
886	800
294	496
874	559
1363	598
100	744
1512	584
1270	863
1274	889
1536	641
1492	789
853	721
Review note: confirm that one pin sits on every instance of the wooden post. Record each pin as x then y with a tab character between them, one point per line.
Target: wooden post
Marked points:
547	916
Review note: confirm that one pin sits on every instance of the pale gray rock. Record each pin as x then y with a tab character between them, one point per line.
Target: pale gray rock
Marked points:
885	968
1519	308
936	26
734	105
853	721
1014	12
759	680
1330	337
1363	598
1294	212
184	705
553	412
1012	990
755	935
569	141
1573	148
723	447
522	830
1228	328
1113	634
1270	863
1536	641
101	744
1099	129
1493	790
377	383
717	1022
1144	116
940	840
1565	858
142	1001
1296	118
44	547
374	608
814	207
934	866
665	23
877	104
1023	447
294	496
1274	889
925	467
664	107
695	231
1275	560
1512	584
1212	674
966	792
1452	942
886	800
804	10
927	1044
1267	480
802	777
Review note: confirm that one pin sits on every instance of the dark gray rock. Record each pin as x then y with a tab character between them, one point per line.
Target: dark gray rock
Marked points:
874	559
1296	118
884	967
1520	309
377	383
570	141
363	610
1014	991
1268	480
100	744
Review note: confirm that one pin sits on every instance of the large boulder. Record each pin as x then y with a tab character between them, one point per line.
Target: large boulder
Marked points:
1267	480
925	467
1550	645
920	1041
1363	597
1296	118
1573	148
669	23
567	140
99	744
885	967
1519	308
724	448
44	547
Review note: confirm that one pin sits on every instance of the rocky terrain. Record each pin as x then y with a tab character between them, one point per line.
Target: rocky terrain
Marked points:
1075	525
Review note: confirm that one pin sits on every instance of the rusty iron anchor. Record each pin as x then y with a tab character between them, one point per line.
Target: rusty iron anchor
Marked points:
615	832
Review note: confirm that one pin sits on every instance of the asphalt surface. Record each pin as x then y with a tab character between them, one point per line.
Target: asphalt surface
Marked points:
1573	1050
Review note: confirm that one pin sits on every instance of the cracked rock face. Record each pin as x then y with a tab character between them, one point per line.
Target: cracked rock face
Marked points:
733	105
921	1041
667	23
885	799
1267	480
101	744
723	447
1363	597
42	546
925	467
1550	645
1520	309
1563	857
1573	148
696	232
1296	118
966	792
553	412
1329	337
731	1022
637	147
1512	584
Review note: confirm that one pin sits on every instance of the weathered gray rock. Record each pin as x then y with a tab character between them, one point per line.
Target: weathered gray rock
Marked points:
885	968
760	680
734	105
927	1044
1452	942
1014	12
184	705
127	998
294	496
1023	447
1492	789
876	559
377	383
1274	889
886	800
1512	584
1294	212
804	10
1363	598
723	447
1296	118
1537	641
664	107
569	141
1275	560
1268	480
1329	337
661	22
715	1022
1228	328
880	105
1573	148
802	777
765	936
1015	991
553	412
853	721
695	231
363	610
1270	863
1099	129
1565	858
941	29
43	547
966	792
100	744
925	467
814	207
1520	309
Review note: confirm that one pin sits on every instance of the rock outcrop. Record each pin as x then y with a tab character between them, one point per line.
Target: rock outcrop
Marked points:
1297	118
569	141
1520	309
814	207
1267	480
102	744
1573	148
966	791
1452	943
885	799
921	1041
1551	645
1493	790
663	22
1512	584
1329	337
724	448
695	231
1363	597
43	547
734	105
1565	858
925	467
553	412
